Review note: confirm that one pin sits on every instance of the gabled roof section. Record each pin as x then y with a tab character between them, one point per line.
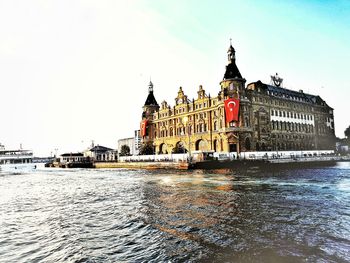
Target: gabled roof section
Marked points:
291	94
232	71
231	68
99	148
151	100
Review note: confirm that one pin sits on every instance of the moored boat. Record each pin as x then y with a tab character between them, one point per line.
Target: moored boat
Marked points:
16	161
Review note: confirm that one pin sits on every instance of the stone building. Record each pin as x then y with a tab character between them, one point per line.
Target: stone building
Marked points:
101	153
269	117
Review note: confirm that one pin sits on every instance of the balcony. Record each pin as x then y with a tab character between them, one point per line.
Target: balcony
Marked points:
238	129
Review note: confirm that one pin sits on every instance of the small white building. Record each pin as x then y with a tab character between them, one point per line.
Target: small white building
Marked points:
101	154
72	158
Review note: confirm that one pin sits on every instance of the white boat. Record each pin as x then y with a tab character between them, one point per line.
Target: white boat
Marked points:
16	161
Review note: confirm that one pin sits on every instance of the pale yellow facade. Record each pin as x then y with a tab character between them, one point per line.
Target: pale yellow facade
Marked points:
197	125
304	121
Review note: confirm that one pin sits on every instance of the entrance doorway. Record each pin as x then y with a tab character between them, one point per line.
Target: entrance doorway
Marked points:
233	147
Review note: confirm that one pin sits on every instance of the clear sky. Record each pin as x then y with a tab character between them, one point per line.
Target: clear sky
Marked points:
76	71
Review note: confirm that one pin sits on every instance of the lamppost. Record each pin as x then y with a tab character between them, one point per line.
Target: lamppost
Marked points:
185	121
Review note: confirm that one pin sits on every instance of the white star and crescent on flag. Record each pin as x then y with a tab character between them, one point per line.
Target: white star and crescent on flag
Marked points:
231	107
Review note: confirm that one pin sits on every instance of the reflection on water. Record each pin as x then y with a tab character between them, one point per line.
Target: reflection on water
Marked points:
55	215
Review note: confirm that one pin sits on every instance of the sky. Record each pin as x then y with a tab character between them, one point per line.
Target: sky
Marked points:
73	72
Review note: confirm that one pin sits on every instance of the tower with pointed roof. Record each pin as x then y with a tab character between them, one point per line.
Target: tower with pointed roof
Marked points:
151	100
232	85
149	108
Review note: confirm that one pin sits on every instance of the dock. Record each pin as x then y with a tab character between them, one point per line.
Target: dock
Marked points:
238	164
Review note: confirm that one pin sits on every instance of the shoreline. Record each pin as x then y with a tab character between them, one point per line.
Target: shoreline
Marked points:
143	165
241	164
230	164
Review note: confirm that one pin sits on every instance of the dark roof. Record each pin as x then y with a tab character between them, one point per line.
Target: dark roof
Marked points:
291	94
99	148
231	49
72	154
151	100
232	71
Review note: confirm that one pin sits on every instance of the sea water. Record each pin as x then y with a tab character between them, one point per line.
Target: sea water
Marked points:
117	215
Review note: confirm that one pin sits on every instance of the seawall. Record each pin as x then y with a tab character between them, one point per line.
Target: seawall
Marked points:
231	164
143	165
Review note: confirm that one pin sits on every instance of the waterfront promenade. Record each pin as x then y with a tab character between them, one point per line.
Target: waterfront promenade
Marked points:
200	160
214	164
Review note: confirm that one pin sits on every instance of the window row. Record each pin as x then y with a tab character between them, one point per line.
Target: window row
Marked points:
198	128
282	103
183	109
291	126
293	115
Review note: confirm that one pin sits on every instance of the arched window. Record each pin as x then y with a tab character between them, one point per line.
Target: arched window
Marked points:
215	144
246	121
247	144
201	145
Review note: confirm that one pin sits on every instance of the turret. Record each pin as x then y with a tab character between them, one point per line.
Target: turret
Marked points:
151	106
232	84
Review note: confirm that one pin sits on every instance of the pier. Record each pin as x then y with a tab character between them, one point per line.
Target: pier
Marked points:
212	160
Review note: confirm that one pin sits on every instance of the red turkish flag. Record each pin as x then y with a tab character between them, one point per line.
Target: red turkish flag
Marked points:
143	127
232	109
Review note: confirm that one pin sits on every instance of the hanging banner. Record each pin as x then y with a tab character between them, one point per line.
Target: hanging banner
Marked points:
143	127
232	110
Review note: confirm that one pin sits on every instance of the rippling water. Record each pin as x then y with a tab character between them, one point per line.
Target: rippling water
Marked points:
56	215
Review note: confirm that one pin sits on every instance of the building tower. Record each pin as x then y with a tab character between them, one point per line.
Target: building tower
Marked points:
151	106
233	87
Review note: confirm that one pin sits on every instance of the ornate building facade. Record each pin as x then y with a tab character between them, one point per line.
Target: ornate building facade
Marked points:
269	117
